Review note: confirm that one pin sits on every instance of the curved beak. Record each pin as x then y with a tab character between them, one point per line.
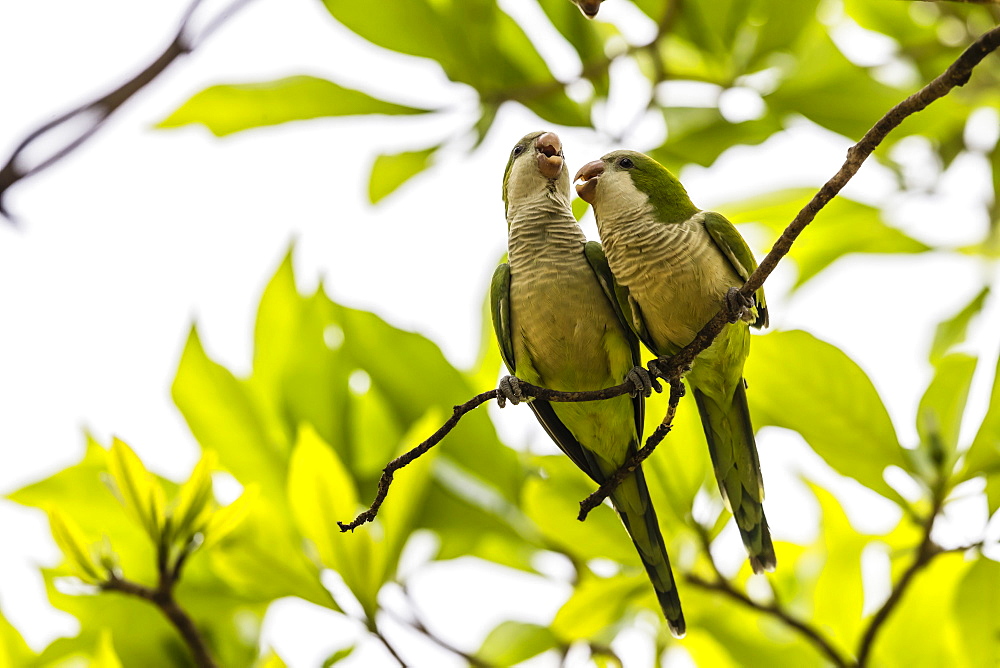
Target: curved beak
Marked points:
589	7
589	174
549	155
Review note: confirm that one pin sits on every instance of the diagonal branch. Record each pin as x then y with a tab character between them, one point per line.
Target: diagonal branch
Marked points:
96	112
673	368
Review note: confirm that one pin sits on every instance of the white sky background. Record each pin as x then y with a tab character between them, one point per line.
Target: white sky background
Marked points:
140	232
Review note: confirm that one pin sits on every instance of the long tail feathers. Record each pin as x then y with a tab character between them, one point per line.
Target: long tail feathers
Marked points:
635	508
734	457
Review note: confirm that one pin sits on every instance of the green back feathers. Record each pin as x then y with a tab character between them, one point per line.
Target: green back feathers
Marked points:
668	197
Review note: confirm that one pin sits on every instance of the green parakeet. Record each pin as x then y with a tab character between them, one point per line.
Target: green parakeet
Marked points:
558	328
676	266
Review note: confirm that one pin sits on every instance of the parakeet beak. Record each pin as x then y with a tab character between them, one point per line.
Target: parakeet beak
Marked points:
550	159
589	174
589	7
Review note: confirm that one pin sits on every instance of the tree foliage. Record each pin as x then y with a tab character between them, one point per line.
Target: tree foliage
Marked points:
335	392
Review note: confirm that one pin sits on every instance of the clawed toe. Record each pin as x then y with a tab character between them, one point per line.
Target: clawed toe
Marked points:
738	305
642	382
509	390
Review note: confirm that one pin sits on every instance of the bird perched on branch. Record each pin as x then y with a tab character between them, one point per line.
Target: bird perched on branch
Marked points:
676	266
558	328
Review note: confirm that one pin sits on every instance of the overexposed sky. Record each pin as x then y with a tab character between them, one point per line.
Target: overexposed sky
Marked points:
139	233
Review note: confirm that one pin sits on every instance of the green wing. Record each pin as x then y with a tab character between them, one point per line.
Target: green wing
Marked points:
734	247
554	427
618	296
500	311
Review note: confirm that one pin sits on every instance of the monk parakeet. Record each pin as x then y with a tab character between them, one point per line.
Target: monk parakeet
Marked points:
558	328
676	266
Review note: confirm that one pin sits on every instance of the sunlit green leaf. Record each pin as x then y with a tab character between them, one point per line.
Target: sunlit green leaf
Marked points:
977	597
193	499
801	383
599	603
952	331
14	651
104	655
74	546
939	415
511	643
983	455
225	520
138	491
226	109
700	135
844	226
391	171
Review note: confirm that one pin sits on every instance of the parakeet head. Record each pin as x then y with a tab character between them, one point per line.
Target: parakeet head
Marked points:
536	168
628	181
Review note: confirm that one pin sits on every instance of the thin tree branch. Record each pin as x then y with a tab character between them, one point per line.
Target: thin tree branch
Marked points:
773	609
812	635
96	112
417	625
926	552
163	598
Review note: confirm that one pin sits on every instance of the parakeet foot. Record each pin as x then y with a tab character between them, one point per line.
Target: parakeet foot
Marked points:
662	367
738	305
642	382
509	390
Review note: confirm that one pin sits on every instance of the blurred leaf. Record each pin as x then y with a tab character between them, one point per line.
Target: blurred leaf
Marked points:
75	547
952	331
474	42
553	502
983	455
598	604
976	599
226	109
844	226
338	656
700	135
225	520
193	500
138	491
939	416
923	630
13	650
391	171
838	597
229	420
270	660
511	643
104	655
801	383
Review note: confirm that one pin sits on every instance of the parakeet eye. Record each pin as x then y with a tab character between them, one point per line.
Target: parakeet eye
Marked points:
626	163
519	149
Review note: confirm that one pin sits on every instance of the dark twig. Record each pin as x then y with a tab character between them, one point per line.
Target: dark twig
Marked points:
926	551
609	485
163	598
98	111
417	625
723	586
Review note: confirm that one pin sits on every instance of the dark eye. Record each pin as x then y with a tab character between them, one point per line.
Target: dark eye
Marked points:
519	149
626	163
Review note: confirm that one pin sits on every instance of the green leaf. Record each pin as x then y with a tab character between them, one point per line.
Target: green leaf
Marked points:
13	650
138	490
226	109
700	135
977	599
338	656
801	383
844	226
231	420
983	455
511	643
74	546
225	520
193	500
952	331
939	416
599	603
104	655
391	171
